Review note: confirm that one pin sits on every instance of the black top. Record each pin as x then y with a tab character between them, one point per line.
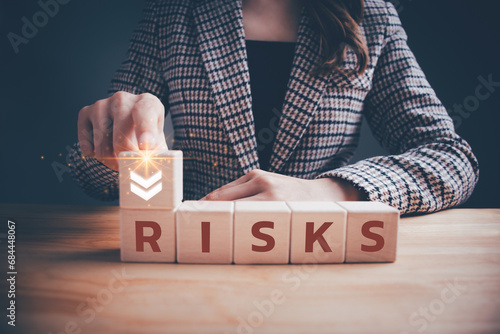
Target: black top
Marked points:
269	64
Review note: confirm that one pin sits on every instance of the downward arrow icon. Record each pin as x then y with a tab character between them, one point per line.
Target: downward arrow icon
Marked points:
145	183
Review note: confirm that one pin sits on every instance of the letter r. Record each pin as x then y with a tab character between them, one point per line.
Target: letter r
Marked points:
141	239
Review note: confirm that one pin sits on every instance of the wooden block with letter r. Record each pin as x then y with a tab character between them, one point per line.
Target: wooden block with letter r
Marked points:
372	232
261	232
147	235
318	232
205	232
151	179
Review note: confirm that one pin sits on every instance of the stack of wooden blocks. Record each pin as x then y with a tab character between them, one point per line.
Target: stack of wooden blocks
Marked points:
156	226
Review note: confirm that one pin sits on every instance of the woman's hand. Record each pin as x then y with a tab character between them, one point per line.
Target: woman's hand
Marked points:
259	185
122	122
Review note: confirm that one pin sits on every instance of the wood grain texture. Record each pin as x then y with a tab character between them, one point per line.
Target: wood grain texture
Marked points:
69	273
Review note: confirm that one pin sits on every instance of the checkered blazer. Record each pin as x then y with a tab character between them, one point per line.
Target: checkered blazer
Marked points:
192	55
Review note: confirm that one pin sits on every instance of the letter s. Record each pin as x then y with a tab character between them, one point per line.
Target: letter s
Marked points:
379	240
270	242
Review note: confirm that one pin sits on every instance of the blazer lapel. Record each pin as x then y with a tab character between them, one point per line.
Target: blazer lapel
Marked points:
221	38
303	94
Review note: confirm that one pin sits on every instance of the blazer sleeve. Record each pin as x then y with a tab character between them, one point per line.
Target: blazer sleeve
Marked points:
430	167
139	73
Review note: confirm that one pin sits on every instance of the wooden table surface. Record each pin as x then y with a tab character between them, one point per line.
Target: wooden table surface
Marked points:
70	280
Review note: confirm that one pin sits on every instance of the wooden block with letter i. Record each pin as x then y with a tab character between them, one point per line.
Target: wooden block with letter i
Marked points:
151	179
372	232
205	232
318	232
147	235
261	232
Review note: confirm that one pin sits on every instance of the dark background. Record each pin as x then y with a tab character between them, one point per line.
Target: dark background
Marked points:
69	62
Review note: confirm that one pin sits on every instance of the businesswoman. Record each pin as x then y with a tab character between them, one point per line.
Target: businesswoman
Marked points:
267	98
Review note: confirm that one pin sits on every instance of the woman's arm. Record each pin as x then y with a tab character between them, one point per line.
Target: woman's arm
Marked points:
130	119
430	167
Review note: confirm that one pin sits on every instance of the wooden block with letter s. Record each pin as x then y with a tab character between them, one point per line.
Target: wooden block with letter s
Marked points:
151	179
261	232
205	232
372	232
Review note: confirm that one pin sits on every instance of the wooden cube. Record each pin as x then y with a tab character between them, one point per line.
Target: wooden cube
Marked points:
372	232
147	235
261	232
151	179
317	232
205	232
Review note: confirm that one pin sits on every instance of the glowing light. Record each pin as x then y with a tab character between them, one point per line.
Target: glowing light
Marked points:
42	157
146	156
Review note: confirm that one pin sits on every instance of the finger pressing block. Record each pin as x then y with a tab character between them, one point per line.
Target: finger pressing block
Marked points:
205	232
261	232
147	235
372	232
151	179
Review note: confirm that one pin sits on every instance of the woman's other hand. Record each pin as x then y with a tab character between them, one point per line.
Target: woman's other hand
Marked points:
259	185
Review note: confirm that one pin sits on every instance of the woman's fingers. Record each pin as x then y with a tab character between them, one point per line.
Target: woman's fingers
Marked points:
244	179
102	123
123	125
241	190
122	122
85	132
259	185
254	183
124	138
231	194
147	114
256	197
